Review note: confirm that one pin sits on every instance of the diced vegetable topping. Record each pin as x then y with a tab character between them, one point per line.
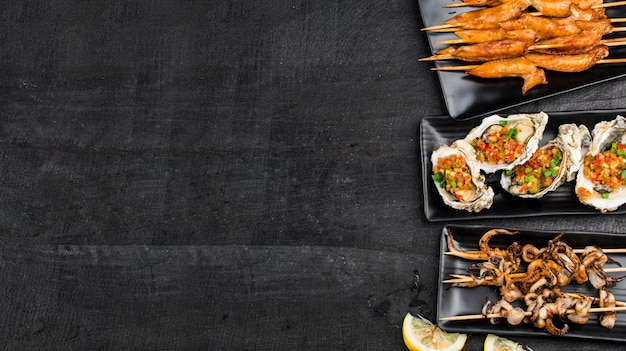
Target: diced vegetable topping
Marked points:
538	172
498	145
453	174
607	169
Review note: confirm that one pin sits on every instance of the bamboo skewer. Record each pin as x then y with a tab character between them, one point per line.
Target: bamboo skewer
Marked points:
437	58
446	30
613	41
459	278
606	4
461	41
446	26
607	42
576	251
615	60
593	298
609	4
457	4
450	42
468	67
496	315
439	26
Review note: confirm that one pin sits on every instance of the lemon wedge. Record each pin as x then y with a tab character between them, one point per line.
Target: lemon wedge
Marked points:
498	343
422	335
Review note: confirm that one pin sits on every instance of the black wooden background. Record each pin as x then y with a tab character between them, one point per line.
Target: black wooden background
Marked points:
224	175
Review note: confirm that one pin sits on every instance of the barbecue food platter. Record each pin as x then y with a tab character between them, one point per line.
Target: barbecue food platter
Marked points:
468	97
436	131
460	301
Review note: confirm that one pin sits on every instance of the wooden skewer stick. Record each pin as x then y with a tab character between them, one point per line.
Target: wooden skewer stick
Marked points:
457	275
497	315
437	58
461	41
459	278
613	42
576	251
457	4
452	29
593	298
439	26
468	67
453	68
616	60
608	42
450	42
446	30
607	4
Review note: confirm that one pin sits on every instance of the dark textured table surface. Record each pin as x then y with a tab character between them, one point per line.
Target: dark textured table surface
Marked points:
224	175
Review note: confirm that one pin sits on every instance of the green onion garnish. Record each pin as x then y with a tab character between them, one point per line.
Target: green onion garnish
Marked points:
511	134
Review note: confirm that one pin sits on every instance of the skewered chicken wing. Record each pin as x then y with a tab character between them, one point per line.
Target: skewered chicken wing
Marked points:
490	17
516	67
569	63
561	8
544	27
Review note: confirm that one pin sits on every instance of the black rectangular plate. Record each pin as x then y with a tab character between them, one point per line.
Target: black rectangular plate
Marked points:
437	131
455	301
468	97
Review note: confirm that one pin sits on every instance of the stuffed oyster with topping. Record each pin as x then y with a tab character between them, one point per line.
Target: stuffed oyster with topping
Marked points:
551	165
601	180
457	178
504	142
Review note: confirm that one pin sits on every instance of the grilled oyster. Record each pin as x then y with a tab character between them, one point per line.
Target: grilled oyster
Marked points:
458	179
601	180
551	165
504	142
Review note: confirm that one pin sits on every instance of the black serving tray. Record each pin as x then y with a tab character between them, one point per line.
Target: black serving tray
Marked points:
469	97
455	301
437	131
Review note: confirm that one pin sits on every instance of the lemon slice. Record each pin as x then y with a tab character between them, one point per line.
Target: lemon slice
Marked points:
498	343
422	335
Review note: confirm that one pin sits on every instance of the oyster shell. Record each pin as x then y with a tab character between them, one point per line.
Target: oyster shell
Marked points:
551	165
504	142
601	180
458	179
